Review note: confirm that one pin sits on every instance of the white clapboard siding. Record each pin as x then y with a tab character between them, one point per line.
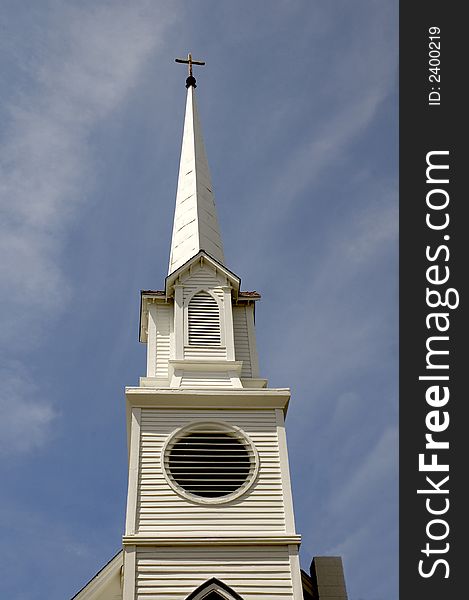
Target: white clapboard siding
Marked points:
205	380
241	340
162	510
213	352
202	277
163	325
255	573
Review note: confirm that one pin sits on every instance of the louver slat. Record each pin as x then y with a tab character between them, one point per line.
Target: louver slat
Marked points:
204	321
209	464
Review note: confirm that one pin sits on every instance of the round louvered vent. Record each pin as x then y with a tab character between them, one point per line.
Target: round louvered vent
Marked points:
210	462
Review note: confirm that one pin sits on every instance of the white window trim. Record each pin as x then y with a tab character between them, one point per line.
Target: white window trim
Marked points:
214	587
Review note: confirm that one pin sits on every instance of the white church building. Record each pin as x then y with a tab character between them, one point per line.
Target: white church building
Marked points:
209	506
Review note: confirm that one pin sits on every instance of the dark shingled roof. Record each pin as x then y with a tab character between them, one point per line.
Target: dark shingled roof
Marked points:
154	292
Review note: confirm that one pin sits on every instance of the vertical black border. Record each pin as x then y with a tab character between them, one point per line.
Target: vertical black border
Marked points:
425	128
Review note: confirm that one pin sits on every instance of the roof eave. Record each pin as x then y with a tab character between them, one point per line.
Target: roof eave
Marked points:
234	280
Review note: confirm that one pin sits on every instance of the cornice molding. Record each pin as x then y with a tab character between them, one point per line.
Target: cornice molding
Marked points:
227	540
239	398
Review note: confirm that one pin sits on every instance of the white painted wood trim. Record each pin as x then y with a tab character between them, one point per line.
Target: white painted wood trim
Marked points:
201	258
130	563
235	381
285	472
151	341
175	377
213	588
131	516
179	321
172	342
226	540
246	398
132	392
295	572
143	319
202	364
228	323
247	382
252	341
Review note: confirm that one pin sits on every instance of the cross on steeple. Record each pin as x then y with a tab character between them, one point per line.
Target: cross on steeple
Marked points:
191	79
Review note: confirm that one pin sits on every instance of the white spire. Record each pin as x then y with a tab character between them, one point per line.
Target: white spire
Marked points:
195	218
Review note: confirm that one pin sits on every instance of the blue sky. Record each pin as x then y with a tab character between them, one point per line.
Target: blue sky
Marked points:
298	104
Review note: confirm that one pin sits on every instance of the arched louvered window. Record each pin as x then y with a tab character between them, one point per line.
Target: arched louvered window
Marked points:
204	320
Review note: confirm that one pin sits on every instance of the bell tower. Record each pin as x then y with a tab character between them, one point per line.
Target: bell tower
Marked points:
209	509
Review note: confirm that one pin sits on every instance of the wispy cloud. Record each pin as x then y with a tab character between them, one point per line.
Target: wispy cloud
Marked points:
42	538
375	539
25	420
358	517
349	96
368	477
329	144
335	327
87	60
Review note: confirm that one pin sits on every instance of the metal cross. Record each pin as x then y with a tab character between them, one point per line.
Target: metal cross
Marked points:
189	62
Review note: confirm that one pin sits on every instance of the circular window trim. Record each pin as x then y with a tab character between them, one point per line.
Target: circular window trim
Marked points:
225	428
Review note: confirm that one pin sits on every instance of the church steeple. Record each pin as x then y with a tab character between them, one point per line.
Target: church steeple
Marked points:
195	225
209	506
